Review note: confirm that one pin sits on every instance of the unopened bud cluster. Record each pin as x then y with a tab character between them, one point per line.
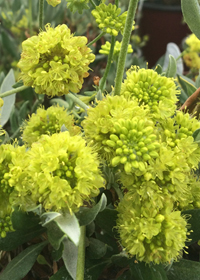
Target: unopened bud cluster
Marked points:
105	49
191	54
109	19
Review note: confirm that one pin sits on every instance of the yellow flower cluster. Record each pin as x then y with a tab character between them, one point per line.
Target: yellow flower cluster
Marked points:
191	55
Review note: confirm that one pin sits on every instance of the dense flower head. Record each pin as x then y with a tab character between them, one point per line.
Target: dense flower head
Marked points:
109	19
53	2
55	62
77	5
62	174
157	92
7	154
105	49
191	54
193	43
48	122
151	234
112	110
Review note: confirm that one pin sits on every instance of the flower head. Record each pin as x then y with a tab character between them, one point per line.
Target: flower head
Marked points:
105	49
109	19
53	2
151	233
48	122
62	174
55	62
157	92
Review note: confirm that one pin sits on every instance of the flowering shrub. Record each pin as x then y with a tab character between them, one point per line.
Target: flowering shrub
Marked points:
107	178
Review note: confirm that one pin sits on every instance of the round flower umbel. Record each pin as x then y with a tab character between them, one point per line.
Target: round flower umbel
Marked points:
133	143
105	49
99	124
109	19
62	173
53	2
157	92
55	62
48	122
156	236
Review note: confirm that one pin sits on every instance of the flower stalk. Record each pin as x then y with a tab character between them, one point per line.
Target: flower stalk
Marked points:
78	101
96	39
81	256
12	91
124	47
41	14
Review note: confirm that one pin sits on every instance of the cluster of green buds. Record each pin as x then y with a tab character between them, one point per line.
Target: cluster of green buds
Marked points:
5	226
105	49
48	122
151	147
157	92
55	62
109	19
60	173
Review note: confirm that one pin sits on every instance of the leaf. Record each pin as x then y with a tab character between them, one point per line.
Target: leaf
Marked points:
87	215
23	112
48	217
9	101
14	120
9	44
184	270
70	257
197	82
62	274
57	254
187	85
23	221
68	223
106	220
196	136
191	14
2	77
55	234
21	264
173	49
96	249
121	259
171	69
158	69
93	271
143	271
193	217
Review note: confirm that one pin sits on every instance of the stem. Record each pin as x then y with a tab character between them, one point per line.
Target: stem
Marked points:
81	256
12	91
30	17
117	3
41	14
124	47
110	56
96	39
77	101
93	4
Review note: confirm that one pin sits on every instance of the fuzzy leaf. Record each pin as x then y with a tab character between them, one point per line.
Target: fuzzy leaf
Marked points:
97	249
87	215
60	102
173	49
55	234
48	217
68	223
21	264
184	270
171	69
196	136
143	271
23	221
191	14
70	256
107	220
9	101
187	84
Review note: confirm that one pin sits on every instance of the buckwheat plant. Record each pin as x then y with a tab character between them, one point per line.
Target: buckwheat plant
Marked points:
105	177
